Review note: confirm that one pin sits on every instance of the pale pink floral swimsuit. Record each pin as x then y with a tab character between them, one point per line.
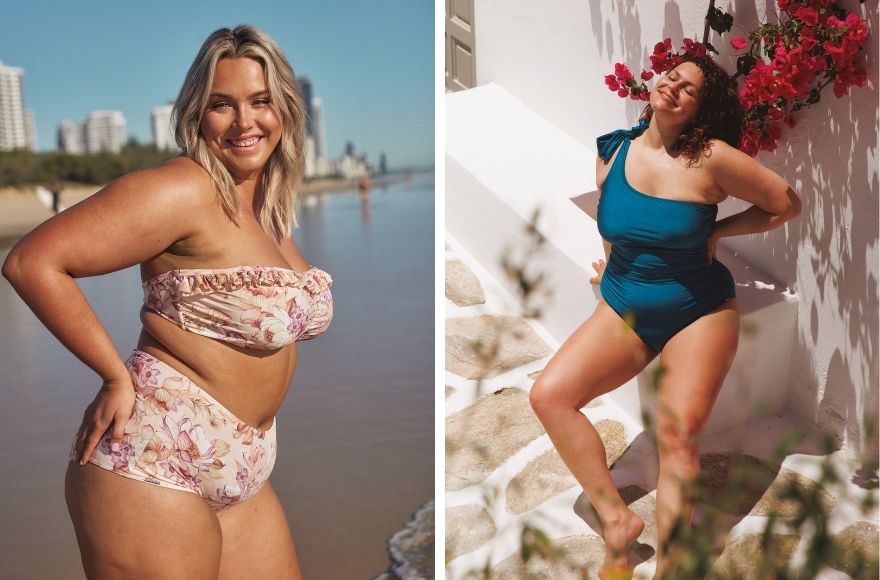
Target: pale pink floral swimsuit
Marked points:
179	436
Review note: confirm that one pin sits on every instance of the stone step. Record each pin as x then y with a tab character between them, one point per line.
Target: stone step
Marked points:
504	162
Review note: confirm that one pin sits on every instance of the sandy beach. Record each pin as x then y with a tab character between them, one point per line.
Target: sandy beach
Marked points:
21	209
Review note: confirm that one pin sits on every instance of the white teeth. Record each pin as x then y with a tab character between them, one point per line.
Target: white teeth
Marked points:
246	142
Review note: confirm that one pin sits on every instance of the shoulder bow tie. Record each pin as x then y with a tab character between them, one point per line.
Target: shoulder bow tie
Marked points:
607	144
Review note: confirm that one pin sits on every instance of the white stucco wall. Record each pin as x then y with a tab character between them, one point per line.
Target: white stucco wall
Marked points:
553	56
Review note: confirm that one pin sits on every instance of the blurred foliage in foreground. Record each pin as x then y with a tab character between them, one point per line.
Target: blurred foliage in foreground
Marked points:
21	168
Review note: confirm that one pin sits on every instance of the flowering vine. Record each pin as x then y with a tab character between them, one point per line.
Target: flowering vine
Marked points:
784	68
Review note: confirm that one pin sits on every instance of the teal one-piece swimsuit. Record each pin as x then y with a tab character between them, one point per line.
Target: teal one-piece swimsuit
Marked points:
656	278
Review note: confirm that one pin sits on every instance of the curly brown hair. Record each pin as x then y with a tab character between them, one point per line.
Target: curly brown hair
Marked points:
720	115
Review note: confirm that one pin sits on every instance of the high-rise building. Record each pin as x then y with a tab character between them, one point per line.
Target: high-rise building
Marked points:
310	164
70	137
383	164
305	87
105	131
160	122
349	148
12	119
30	130
318	126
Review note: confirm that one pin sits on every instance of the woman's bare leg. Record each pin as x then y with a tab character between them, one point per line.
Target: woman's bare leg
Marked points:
602	354
256	540
695	362
135	530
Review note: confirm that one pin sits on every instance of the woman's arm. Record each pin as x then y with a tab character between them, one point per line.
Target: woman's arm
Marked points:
131	220
773	200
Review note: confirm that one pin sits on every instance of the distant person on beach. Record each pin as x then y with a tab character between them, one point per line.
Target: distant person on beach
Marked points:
364	186
56	187
169	470
663	293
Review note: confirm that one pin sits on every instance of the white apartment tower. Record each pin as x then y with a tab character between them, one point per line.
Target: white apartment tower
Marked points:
104	131
12	119
30	130
160	122
70	137
318	128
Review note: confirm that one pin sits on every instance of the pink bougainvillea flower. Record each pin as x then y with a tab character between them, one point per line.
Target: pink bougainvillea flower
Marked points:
647	75
807	15
622	71
623	92
693	47
738	43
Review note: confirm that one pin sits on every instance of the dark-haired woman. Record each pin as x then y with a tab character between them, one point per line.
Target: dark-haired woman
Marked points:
663	291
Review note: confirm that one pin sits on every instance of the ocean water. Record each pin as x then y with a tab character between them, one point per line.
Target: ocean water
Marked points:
355	434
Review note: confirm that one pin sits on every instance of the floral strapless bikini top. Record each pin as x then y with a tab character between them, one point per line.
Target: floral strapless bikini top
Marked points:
261	307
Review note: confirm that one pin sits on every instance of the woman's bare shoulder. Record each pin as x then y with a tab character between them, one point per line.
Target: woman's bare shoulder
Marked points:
720	152
179	180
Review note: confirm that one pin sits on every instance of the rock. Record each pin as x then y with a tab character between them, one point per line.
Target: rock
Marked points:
534	374
449	391
482	436
483	347
770	502
857	552
547	476
468	527
733	483
742	557
567	558
412	548
462	286
543	477
613	435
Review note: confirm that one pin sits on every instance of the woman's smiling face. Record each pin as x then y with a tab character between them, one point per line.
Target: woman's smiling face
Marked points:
678	94
240	125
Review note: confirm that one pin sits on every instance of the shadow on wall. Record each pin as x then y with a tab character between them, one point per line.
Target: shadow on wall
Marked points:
829	254
834	162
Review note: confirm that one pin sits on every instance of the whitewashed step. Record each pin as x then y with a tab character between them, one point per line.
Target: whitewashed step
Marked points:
503	161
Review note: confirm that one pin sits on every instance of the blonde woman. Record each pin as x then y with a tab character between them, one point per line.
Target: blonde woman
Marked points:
168	473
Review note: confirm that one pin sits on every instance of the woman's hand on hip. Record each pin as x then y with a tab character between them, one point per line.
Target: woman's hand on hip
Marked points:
599	266
111	408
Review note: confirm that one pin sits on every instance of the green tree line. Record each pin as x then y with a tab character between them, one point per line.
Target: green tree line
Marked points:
21	167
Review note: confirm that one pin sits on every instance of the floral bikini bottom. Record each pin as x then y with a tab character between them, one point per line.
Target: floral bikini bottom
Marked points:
182	438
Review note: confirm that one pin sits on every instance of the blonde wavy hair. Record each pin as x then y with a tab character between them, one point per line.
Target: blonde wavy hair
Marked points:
284	169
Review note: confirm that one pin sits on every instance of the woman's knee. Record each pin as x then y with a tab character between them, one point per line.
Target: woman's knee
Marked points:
679	437
549	396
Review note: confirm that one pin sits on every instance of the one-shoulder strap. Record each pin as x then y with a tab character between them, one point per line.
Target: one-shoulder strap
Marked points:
607	144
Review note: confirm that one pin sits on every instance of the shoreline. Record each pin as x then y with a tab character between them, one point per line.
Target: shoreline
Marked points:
21	210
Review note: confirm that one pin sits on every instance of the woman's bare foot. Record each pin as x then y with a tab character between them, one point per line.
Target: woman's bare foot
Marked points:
620	532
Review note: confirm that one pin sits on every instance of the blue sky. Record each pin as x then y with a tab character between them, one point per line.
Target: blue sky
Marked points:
371	63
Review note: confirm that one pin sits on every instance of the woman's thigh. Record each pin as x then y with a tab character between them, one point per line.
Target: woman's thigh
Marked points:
694	363
602	354
135	530
256	540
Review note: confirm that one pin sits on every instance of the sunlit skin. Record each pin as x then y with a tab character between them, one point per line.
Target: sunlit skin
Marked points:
168	218
604	352
240	124
678	94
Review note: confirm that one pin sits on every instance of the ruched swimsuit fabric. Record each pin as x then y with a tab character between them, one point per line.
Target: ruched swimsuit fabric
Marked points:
261	307
179	436
656	278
